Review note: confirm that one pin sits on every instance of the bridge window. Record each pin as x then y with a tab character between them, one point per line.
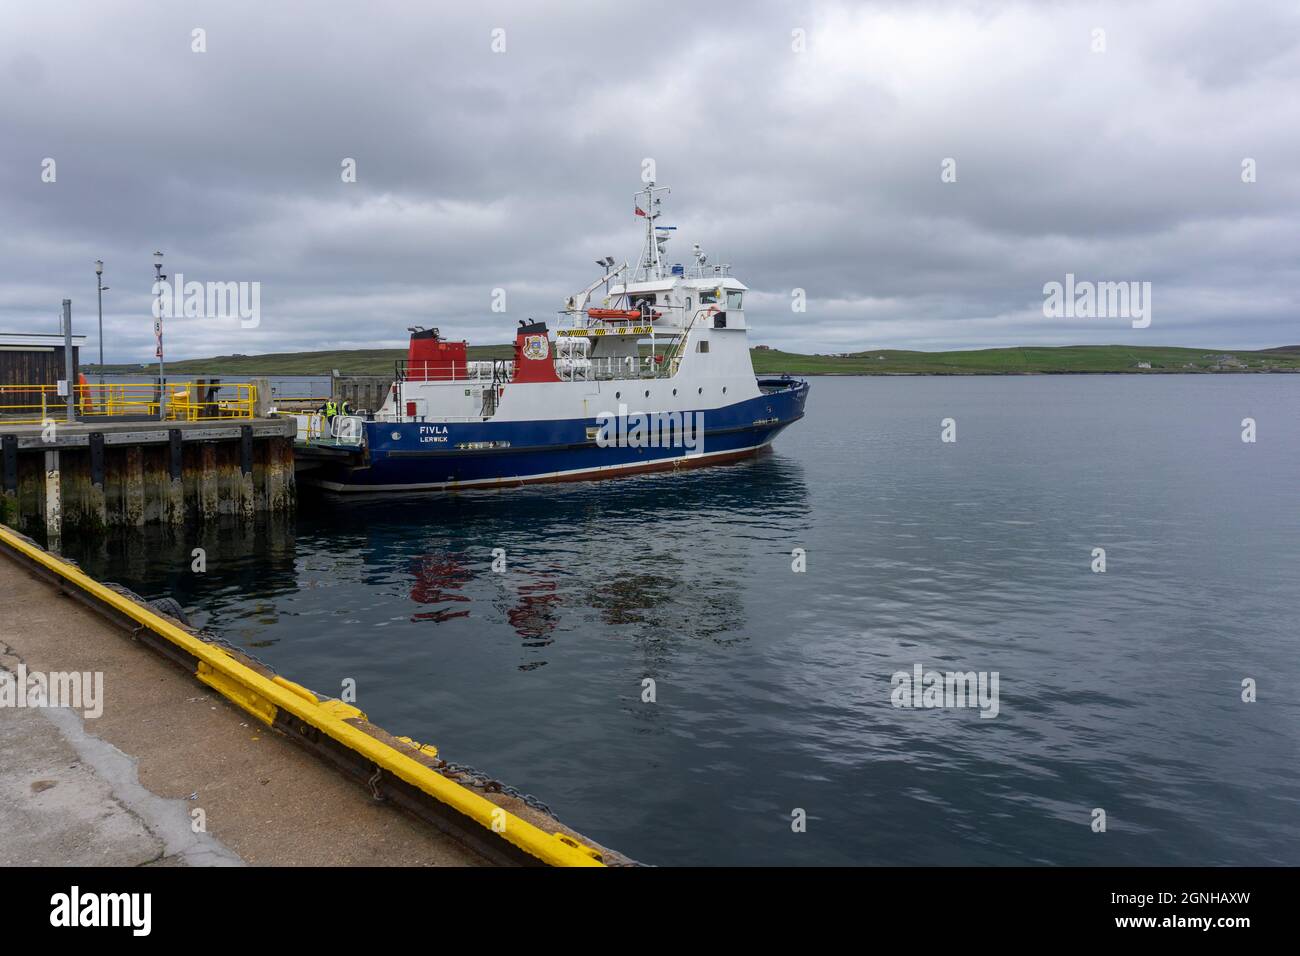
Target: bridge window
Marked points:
710	296
733	300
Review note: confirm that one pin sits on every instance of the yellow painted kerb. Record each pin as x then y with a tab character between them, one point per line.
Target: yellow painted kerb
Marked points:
263	697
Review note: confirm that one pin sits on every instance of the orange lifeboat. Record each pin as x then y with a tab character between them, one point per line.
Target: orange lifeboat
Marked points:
620	314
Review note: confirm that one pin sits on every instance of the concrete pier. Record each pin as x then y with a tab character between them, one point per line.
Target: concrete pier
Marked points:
120	789
59	477
190	732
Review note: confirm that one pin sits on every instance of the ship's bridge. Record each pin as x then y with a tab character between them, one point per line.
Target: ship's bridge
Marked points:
681	300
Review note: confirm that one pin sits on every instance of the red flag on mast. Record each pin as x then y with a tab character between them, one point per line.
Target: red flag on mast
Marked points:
640	211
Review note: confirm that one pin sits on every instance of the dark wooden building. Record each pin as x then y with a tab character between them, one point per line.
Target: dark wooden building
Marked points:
33	359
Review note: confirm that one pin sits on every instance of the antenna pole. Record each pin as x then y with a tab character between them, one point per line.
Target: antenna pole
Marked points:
650	258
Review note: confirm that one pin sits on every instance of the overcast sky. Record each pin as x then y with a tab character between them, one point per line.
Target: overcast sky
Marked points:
817	169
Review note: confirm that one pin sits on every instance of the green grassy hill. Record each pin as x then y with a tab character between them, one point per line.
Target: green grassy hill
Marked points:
1011	361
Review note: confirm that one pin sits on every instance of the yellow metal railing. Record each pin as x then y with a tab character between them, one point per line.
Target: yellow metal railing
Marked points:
186	401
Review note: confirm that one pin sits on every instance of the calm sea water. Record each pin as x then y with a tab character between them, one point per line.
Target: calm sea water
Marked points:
1119	691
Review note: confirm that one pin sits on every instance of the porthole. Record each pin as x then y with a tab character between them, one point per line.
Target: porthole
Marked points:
701	391
724	390
647	393
618	394
674	391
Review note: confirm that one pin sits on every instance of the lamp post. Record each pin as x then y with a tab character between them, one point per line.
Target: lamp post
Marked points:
158	334
606	263
100	289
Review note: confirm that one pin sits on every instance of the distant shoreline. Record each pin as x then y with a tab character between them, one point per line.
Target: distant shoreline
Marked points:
1056	360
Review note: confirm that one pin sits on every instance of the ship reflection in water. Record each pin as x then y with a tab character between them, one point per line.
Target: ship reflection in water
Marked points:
634	556
546	562
642	559
438	580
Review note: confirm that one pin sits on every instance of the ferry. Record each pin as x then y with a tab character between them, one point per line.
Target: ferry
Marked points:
657	376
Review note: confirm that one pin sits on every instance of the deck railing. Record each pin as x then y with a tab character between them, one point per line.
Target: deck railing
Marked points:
315	429
611	368
477	371
569	369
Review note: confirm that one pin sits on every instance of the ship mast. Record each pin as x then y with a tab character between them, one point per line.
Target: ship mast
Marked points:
651	259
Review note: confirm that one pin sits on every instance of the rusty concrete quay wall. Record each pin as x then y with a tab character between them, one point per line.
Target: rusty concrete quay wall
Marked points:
87	477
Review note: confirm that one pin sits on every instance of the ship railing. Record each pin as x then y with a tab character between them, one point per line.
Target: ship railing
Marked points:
719	271
568	369
607	368
673	361
477	371
393	418
348	429
315	428
650	273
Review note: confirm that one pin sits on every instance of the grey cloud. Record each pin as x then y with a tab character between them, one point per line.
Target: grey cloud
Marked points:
818	171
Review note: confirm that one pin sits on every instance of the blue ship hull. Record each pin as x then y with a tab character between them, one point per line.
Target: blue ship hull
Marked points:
407	456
